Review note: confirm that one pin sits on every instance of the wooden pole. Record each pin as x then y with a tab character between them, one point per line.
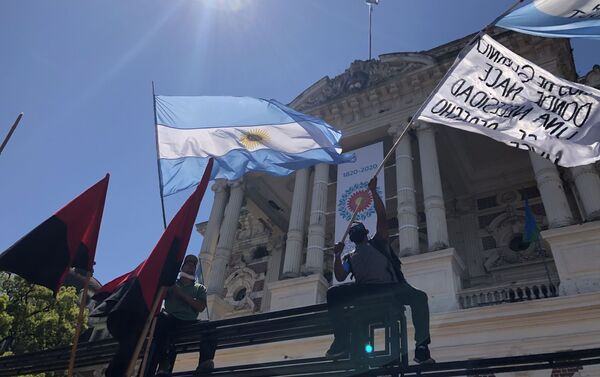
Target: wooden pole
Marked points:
148	346
10	132
86	285
136	352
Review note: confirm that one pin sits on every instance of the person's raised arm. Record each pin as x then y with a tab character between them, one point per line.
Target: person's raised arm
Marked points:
338	268
382	225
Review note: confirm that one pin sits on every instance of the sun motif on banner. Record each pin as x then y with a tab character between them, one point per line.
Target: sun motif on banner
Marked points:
254	138
357	195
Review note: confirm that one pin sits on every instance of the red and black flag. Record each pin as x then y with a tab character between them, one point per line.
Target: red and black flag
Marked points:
67	239
127	300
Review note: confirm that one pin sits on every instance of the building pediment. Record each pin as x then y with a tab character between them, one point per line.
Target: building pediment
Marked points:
361	74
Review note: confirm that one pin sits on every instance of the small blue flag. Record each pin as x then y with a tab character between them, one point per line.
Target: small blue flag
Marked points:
556	18
531	232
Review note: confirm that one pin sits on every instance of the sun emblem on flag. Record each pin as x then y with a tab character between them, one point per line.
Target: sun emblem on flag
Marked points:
357	196
254	138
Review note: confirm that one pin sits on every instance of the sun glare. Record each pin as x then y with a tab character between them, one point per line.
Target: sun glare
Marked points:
227	5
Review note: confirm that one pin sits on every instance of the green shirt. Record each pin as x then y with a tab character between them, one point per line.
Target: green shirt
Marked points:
181	309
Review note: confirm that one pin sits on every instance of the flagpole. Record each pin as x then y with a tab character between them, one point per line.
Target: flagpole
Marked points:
441	82
148	346
160	181
86	285
148	331
357	203
10	132
157	300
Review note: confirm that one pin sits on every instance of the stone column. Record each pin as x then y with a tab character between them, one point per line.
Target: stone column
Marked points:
435	210
226	238
408	230
472	244
211	235
295	236
316	228
587	182
551	188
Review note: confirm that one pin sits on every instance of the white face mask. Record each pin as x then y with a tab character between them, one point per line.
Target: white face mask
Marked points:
187	276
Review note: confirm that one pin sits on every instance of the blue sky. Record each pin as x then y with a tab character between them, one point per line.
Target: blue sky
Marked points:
81	72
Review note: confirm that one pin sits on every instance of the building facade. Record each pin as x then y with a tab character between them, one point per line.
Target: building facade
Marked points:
456	203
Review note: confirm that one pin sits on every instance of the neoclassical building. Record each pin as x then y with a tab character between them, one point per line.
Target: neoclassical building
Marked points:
455	202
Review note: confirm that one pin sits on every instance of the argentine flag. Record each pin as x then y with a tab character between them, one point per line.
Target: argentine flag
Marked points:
241	134
556	18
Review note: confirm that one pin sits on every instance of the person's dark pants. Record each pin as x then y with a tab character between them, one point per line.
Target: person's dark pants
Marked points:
162	350
403	293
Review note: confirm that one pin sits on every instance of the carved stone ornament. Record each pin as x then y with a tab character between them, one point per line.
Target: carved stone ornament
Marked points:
507	230
251	227
239	288
361	75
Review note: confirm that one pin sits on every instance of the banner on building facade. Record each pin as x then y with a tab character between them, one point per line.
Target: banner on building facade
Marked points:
352	181
495	92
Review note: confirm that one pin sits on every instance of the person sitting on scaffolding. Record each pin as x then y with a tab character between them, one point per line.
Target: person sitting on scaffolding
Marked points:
376	271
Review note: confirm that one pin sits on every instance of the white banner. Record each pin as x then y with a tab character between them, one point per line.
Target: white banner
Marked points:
495	92
352	181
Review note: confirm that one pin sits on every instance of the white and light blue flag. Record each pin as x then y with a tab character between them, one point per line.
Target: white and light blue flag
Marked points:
556	18
242	134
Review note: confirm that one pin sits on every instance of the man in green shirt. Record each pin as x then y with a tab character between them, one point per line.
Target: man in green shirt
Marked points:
184	300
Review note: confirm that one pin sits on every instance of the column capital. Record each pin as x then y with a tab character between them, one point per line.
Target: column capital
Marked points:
237	183
578	171
396	129
393	130
422	126
219	185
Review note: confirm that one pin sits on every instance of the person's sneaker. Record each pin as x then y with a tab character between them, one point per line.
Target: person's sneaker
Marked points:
338	350
205	367
423	356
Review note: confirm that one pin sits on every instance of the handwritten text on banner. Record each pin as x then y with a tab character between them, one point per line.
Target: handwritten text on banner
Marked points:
495	92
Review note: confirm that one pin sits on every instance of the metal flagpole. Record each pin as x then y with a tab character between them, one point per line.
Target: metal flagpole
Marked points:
148	331
10	132
441	82
160	181
370	26
371	3
357	203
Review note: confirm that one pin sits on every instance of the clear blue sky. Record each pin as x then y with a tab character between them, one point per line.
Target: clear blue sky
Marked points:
81	73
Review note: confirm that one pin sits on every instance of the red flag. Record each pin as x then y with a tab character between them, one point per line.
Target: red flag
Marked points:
130	296
67	239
